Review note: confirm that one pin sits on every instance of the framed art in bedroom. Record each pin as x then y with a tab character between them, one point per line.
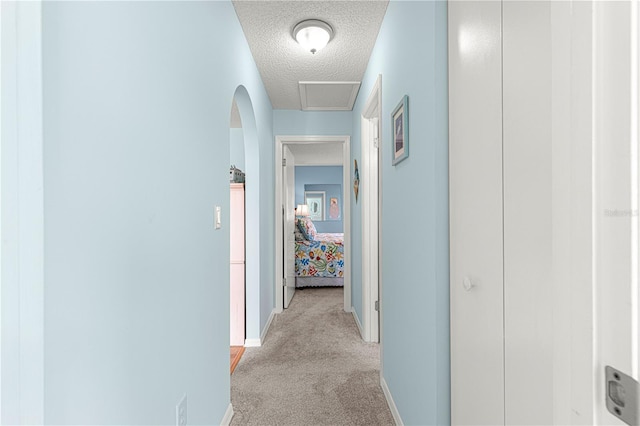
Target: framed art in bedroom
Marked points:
400	126
315	200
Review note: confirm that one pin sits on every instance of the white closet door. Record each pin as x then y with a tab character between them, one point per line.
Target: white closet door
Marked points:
475	114
528	302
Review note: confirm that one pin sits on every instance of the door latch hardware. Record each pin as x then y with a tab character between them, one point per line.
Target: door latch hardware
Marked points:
622	393
377	307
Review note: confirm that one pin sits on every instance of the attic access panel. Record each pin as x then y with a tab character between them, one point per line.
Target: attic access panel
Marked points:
328	95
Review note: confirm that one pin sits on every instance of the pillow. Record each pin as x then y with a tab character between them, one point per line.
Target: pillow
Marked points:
298	235
307	228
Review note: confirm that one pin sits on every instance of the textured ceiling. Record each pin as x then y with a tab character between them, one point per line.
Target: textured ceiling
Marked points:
283	62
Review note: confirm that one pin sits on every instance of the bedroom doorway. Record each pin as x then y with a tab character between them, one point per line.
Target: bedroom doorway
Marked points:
311	151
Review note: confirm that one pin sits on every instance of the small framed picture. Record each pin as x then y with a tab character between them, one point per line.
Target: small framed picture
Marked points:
315	200
400	126
334	208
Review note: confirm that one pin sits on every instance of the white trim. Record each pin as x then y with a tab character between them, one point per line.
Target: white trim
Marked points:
635	321
256	343
346	197
392	405
357	320
613	247
23	215
252	343
370	122
228	416
636	192
263	335
280	141
316	163
1	203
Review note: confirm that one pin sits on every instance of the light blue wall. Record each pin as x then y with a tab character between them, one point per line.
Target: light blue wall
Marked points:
310	175
311	123
137	98
411	55
237	149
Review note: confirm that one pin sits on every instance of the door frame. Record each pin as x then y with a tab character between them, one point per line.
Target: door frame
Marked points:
280	141
22	214
616	160
371	232
288	220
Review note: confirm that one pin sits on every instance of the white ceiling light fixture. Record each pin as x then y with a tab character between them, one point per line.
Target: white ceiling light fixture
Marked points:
313	34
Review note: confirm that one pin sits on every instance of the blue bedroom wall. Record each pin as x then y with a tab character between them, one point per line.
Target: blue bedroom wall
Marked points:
137	99
315	175
411	55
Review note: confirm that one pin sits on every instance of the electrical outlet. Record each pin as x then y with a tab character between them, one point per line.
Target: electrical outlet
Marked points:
181	412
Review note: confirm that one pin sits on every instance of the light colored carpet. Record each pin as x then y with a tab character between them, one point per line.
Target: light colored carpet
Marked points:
313	369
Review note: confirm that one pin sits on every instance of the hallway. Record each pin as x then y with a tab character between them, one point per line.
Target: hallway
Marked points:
312	369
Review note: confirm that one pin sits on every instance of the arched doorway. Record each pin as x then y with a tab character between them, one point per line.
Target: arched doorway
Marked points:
248	138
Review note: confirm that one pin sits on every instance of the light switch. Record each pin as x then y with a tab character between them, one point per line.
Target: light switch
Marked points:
218	218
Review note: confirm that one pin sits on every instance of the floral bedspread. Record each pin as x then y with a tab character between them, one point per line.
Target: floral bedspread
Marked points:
323	257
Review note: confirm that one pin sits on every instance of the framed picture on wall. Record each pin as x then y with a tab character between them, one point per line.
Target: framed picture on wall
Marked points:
315	200
400	126
334	208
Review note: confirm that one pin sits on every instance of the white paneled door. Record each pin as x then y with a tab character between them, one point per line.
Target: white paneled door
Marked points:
475	173
527	212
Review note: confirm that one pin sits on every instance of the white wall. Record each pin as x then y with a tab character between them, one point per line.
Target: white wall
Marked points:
137	98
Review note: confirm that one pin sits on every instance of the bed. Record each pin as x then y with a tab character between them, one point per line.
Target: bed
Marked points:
319	258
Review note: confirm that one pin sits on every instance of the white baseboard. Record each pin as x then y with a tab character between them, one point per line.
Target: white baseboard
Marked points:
357	320
263	335
392	405
252	343
228	415
256	343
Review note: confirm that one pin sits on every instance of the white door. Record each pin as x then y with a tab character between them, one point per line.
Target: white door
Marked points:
475	174
289	225
370	236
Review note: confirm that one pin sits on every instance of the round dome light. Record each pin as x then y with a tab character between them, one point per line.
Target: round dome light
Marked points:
312	34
